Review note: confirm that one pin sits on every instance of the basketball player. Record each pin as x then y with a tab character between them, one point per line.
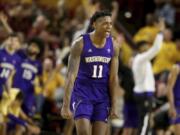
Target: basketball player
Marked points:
8	64
93	76
174	97
29	69
24	79
9	60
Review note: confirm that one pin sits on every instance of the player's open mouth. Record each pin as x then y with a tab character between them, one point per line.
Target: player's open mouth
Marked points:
108	31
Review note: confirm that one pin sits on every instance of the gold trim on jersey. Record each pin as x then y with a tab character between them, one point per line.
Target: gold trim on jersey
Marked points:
97	59
30	67
7	65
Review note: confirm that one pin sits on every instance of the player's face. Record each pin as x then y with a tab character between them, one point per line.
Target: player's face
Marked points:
33	49
47	64
103	25
13	43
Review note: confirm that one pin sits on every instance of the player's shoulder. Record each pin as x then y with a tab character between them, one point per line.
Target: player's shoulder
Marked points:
18	58
39	64
2	50
116	45
77	44
21	53
115	41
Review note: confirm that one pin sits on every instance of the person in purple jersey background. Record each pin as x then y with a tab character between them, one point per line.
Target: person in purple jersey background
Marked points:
9	60
93	77
28	70
173	95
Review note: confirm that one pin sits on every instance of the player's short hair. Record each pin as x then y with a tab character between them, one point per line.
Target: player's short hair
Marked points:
141	44
99	14
40	44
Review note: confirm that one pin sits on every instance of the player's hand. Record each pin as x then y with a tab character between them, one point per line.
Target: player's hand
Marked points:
113	113
172	112
161	24
3	17
115	5
33	129
66	112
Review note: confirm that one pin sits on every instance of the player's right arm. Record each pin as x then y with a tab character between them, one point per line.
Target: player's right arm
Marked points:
73	66
171	81
3	19
153	51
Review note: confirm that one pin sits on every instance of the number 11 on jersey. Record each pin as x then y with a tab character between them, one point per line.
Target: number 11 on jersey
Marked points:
97	71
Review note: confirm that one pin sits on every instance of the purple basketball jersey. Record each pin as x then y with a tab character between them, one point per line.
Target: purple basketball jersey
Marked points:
8	63
93	75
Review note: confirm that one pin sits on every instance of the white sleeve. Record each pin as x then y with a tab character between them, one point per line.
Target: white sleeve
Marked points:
151	53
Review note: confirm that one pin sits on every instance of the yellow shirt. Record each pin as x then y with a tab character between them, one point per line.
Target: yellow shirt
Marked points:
126	53
6	101
166	58
147	33
49	3
73	4
51	83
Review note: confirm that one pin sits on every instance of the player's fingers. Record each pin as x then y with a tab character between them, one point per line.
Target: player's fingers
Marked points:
66	115
114	116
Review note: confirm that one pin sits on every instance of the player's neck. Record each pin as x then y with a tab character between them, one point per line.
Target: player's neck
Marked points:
10	50
32	57
98	39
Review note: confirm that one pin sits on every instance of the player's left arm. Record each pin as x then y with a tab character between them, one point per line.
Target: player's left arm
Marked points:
171	82
113	78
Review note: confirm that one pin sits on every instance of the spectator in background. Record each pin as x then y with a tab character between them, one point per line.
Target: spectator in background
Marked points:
130	112
51	79
126	51
13	115
52	82
165	9
149	31
167	56
144	80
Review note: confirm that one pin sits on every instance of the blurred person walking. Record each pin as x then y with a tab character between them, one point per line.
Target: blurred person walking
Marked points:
144	79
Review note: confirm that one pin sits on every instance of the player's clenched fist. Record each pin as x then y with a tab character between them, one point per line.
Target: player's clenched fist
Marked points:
66	112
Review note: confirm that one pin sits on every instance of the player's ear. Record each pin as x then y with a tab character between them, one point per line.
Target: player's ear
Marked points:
94	25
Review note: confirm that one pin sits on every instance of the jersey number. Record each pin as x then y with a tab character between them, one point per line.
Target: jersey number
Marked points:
27	74
97	71
5	73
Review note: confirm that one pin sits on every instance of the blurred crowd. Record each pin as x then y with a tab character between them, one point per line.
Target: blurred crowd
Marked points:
57	23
